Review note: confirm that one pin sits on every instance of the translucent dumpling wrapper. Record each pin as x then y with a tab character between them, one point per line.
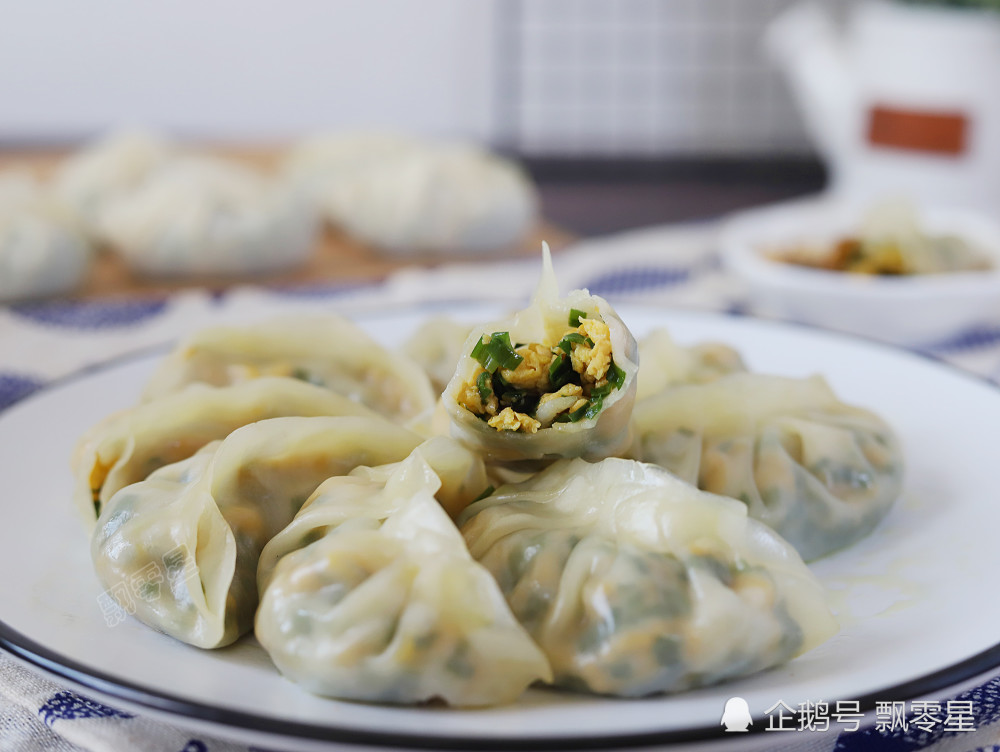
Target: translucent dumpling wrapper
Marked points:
557	379
201	215
436	346
88	181
634	582
461	477
820	472
330	351
387	605
181	547
406	196
42	250
666	363
128	445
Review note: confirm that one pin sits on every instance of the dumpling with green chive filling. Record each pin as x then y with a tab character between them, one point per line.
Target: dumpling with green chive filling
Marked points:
370	594
634	582
819	471
557	379
206	519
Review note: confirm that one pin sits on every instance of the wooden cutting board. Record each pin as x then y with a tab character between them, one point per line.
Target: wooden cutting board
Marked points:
336	258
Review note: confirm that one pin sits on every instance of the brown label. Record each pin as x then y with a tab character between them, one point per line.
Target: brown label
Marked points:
935	132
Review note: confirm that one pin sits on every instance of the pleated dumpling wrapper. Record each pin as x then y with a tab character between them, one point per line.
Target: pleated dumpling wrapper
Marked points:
128	445
194	530
820	472
461	476
327	350
666	363
557	379
634	582
385	604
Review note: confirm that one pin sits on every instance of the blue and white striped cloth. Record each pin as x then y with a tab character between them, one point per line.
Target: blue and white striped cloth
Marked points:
672	266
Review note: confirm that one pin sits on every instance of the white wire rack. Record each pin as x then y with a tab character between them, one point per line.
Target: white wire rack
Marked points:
642	77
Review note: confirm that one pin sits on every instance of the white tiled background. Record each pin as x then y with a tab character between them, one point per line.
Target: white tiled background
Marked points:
596	77
644	77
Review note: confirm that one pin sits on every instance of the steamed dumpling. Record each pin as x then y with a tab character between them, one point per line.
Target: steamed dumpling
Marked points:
634	582
461	474
42	251
666	363
461	478
405	196
88	181
330	351
556	379
820	472
320	162
127	446
201	215
383	603
211	514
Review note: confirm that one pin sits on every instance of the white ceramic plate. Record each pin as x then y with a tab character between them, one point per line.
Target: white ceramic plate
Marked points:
914	599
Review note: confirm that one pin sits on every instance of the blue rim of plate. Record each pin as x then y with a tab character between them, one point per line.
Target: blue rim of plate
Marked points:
138	696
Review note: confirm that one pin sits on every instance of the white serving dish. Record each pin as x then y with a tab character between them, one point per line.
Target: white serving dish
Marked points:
916	311
914	599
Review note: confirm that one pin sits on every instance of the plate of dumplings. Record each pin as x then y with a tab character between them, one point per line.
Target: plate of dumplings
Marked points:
568	524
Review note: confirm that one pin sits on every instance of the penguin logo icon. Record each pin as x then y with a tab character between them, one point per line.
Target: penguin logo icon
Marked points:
736	716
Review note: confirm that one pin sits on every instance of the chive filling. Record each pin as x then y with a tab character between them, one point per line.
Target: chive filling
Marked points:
495	351
527	386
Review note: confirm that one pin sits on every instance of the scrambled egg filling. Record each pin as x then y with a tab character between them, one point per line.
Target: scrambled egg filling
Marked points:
533	371
550	383
510	420
567	390
592	363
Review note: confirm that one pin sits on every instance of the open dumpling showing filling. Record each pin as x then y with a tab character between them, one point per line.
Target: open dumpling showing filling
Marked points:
555	380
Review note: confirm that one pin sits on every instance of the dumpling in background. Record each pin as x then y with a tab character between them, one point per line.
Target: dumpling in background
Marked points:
319	162
326	350
436	346
634	582
666	363
820	472
404	196
383	603
209	216
101	172
209	516
42	250
128	445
